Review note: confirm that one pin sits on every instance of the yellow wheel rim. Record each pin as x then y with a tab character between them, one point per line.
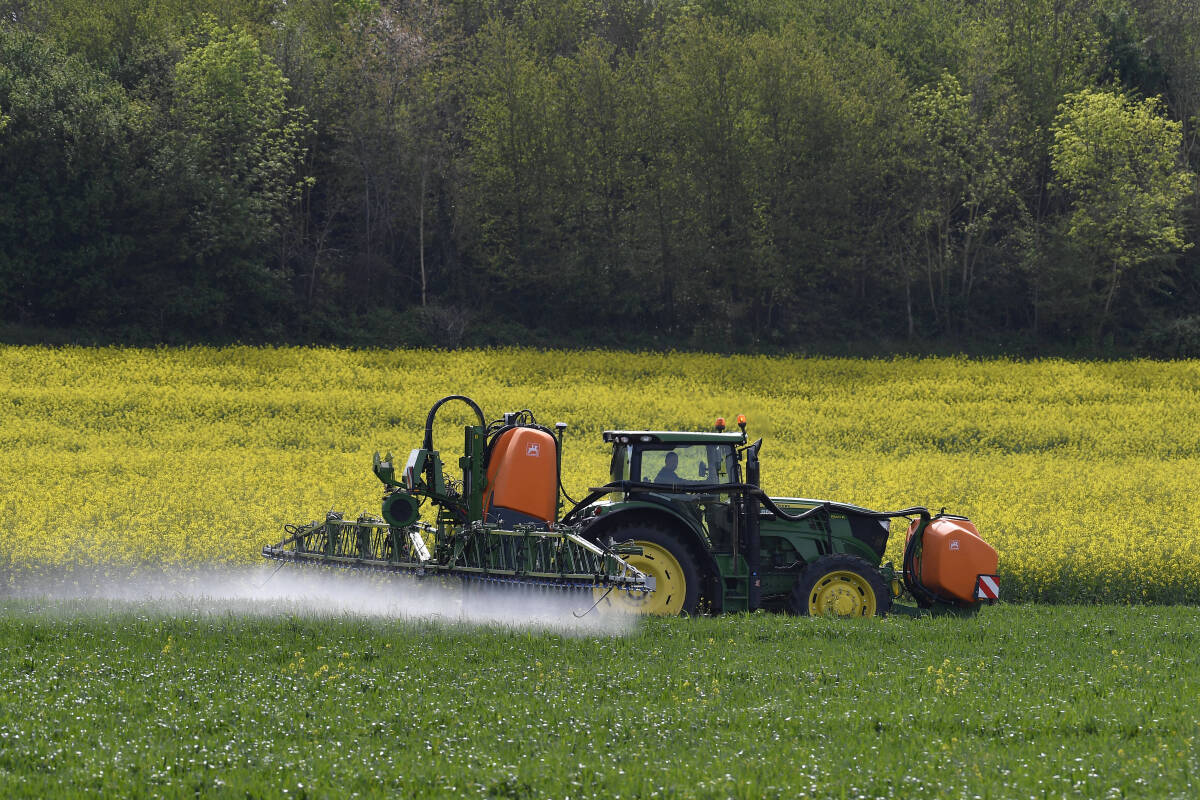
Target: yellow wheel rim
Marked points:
657	562
842	594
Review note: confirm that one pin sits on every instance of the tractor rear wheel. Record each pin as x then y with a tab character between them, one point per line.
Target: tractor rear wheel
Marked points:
842	586
666	558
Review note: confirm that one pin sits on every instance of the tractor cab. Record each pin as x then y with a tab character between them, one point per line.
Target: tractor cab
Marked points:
685	472
674	458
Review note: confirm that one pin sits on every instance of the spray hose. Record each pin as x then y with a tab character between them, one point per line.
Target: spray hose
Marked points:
736	488
428	443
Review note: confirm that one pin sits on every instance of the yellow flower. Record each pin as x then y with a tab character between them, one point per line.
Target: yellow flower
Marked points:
1078	473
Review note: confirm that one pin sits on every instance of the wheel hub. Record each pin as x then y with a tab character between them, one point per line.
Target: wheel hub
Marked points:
842	594
670	585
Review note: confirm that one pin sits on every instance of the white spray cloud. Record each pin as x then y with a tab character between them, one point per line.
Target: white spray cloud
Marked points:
297	590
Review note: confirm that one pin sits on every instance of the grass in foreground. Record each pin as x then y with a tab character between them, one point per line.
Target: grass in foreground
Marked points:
124	700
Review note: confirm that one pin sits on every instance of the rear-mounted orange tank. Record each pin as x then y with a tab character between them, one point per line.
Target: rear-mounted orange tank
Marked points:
522	477
953	556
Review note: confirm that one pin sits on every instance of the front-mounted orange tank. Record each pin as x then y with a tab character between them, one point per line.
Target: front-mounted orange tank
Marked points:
522	478
953	558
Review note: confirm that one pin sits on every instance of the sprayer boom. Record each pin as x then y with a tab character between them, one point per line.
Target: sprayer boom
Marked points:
552	558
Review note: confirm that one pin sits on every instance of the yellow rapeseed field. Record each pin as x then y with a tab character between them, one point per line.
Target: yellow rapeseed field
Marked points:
1083	475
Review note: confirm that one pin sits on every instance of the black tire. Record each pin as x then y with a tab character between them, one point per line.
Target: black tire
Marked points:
679	582
842	585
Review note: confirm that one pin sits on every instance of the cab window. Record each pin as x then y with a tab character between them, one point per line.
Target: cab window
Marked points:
619	469
687	463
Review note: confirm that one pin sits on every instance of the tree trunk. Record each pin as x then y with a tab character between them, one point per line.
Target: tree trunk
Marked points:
421	233
1112	290
908	308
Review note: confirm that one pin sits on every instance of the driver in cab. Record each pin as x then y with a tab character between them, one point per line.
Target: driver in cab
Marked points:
667	473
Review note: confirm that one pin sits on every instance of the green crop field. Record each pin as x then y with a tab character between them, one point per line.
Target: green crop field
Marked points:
121	462
123	700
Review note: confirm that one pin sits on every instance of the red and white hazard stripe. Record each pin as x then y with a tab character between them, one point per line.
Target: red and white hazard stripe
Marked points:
987	587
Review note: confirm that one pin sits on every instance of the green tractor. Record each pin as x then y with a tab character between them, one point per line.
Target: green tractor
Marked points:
713	540
681	527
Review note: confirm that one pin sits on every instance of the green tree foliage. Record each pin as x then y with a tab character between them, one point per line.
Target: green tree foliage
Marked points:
62	152
237	149
605	179
706	116
1169	31
772	173
385	154
516	155
966	170
1117	160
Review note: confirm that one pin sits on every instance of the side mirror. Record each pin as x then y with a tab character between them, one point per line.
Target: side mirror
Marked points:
703	470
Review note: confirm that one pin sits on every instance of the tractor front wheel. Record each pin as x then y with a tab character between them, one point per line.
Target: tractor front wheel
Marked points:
842	586
667	559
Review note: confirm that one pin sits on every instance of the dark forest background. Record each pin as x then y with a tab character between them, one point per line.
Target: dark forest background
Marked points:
989	175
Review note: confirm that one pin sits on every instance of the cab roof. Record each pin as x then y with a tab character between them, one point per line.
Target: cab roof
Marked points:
674	437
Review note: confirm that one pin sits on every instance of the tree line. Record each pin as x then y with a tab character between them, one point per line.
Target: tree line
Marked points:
758	174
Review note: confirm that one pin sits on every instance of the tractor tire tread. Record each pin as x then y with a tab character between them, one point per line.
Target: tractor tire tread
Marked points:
838	562
677	545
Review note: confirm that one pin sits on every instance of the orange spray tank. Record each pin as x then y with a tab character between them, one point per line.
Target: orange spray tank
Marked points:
522	478
951	561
